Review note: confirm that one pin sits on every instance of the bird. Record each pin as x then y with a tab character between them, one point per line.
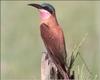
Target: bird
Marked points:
52	36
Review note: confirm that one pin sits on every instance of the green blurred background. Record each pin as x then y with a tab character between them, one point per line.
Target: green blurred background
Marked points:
21	44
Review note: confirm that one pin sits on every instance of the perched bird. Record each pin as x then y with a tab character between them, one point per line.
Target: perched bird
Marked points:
52	36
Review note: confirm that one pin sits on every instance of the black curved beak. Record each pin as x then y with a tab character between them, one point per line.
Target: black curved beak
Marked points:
38	6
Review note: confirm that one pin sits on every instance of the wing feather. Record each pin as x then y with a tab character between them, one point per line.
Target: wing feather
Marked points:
54	43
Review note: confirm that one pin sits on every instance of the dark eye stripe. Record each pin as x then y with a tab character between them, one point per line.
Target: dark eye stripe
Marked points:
48	9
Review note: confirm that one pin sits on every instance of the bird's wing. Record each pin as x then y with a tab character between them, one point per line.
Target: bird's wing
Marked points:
55	45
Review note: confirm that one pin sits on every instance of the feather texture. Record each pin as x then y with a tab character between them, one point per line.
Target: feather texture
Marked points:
53	39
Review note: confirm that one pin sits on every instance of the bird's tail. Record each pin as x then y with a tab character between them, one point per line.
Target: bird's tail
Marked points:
62	71
61	67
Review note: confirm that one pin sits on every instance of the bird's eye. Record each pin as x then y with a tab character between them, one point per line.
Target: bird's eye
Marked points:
48	9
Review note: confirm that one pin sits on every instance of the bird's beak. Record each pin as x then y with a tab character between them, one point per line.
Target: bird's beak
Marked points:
38	6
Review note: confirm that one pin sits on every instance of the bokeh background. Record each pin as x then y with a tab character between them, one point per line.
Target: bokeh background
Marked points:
21	44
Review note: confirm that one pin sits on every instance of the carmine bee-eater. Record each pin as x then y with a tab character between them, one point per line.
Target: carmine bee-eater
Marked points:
52	36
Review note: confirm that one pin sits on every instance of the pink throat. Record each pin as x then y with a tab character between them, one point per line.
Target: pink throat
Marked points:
44	14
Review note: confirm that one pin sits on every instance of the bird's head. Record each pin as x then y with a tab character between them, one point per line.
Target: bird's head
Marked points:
46	10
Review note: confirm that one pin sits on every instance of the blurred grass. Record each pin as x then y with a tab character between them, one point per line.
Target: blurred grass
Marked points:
21	44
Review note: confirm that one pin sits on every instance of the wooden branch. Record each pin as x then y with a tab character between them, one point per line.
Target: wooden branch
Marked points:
49	71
